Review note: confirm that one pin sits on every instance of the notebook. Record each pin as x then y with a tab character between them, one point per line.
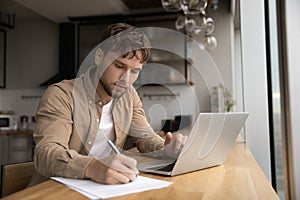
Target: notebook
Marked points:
208	144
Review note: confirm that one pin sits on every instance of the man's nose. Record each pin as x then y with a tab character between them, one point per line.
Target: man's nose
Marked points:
125	77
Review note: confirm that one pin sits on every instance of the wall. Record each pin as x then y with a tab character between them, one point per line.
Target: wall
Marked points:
220	60
293	59
255	82
167	102
32	55
32	58
22	102
204	69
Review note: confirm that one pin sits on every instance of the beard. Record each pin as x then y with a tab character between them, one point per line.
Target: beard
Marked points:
112	91
106	88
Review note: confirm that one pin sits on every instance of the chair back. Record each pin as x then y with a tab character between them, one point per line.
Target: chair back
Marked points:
15	177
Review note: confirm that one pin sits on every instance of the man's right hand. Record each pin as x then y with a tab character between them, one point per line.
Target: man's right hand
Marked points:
115	169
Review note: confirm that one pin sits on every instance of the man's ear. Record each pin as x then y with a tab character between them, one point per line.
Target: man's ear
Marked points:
98	56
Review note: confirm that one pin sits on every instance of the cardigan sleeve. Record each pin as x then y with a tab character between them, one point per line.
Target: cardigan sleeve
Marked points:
142	133
52	155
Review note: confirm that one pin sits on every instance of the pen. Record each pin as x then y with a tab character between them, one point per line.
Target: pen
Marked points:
112	145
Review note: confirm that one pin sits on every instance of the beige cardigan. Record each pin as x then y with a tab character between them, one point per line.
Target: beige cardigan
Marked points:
67	123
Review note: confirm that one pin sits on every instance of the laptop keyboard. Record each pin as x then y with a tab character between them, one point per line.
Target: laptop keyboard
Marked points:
166	165
166	168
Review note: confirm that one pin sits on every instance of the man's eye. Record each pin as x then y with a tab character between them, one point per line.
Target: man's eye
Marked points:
135	71
119	66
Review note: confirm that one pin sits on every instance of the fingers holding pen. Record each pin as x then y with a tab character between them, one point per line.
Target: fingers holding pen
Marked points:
116	177
122	165
115	169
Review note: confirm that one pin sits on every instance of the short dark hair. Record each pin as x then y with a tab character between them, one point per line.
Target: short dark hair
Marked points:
129	43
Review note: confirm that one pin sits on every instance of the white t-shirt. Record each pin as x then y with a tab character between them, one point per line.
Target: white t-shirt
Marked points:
101	148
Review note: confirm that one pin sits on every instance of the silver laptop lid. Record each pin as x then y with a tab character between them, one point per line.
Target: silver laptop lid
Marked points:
208	144
210	141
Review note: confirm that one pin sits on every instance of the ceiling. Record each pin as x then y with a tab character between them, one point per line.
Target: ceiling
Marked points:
60	10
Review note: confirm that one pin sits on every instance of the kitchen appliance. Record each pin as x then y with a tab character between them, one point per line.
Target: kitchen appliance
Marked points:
8	122
180	122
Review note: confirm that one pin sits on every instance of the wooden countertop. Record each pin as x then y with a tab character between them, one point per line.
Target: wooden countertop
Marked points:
16	132
239	178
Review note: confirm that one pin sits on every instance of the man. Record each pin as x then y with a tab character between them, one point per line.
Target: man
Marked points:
76	118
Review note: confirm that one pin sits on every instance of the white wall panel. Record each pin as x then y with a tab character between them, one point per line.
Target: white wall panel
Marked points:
255	82
293	44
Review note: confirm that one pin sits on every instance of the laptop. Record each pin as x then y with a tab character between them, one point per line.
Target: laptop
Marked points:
208	144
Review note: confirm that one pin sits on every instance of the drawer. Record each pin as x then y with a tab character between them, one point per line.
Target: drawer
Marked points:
3	150
20	141
19	155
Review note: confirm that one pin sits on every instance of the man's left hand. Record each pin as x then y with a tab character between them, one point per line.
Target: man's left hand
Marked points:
173	144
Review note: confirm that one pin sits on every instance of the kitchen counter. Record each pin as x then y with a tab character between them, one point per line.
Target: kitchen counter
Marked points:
16	132
239	178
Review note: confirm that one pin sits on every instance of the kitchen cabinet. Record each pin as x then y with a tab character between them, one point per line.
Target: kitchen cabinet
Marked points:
20	148
167	64
16	146
2	57
3	149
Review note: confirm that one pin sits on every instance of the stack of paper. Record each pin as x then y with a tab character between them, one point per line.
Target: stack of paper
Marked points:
95	190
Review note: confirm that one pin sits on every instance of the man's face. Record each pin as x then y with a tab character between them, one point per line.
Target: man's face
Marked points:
121	74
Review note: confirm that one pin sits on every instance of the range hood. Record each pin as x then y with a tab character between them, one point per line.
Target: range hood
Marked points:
66	55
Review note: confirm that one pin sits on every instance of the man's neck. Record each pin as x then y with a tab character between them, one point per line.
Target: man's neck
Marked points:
105	98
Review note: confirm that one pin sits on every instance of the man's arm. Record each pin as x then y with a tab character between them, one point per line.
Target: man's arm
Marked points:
140	130
53	156
52	135
149	141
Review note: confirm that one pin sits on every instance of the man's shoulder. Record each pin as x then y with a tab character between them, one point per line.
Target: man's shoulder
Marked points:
64	87
65	84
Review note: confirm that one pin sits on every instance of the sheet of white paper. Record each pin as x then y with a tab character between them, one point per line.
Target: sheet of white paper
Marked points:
95	190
